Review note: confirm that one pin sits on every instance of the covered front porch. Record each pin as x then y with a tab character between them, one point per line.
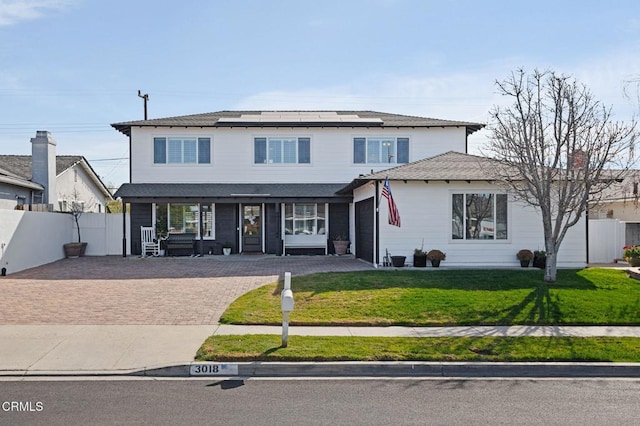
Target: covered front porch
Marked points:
275	219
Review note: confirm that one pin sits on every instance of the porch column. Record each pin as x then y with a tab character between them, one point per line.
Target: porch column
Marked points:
124	228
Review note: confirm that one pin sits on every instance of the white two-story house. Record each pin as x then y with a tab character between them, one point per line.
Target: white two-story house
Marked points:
290	182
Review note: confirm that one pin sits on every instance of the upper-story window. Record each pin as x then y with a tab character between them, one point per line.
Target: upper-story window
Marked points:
380	150
176	150
282	150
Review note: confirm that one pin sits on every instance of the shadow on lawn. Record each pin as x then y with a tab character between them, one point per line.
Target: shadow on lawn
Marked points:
468	279
541	307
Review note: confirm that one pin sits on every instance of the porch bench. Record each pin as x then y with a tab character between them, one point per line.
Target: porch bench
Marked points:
182	241
305	242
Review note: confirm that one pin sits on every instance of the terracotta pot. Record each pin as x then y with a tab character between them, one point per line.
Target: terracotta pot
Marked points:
340	247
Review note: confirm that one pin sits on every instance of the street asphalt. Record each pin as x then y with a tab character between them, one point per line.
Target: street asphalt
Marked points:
147	342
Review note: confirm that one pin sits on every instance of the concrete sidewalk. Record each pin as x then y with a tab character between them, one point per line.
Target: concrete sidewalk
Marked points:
33	350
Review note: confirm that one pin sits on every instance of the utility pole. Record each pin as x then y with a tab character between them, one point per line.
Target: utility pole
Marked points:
146	99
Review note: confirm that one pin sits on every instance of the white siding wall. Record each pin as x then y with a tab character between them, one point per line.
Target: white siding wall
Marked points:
622	210
67	183
232	154
425	210
25	247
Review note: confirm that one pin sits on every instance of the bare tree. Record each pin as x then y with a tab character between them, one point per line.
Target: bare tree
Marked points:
77	207
559	148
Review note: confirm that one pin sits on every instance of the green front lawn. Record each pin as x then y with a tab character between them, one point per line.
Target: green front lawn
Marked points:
447	297
493	349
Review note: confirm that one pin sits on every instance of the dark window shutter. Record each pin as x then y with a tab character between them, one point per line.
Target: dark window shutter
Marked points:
204	150
304	150
260	150
359	150
403	150
159	150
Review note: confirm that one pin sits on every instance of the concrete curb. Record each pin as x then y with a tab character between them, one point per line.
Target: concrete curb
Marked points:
371	369
424	369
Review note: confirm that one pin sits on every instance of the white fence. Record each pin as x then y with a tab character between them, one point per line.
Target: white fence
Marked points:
606	239
29	239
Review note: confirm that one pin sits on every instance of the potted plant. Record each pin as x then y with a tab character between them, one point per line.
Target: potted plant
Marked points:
340	244
539	259
419	258
435	257
632	255
524	256
226	248
398	261
77	249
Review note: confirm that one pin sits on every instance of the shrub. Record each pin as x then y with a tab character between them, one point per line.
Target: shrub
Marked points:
524	254
436	255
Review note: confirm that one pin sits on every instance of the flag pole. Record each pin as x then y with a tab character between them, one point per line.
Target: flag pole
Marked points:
377	224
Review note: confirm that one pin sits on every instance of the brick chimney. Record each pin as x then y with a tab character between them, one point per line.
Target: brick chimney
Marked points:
43	165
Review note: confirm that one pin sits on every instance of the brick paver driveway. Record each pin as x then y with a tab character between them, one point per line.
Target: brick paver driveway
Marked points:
155	291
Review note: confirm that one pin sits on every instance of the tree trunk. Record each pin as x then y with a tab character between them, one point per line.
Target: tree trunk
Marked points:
551	269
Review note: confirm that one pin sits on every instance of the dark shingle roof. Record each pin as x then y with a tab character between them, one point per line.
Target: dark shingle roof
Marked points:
20	165
289	119
13	179
228	190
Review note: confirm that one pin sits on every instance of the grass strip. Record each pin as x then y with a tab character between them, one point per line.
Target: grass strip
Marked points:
238	348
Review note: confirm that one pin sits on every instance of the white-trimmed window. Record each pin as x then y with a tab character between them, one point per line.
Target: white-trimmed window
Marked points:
184	217
387	150
282	150
185	150
479	216
304	219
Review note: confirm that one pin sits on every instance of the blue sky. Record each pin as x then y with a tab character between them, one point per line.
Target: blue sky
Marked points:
73	67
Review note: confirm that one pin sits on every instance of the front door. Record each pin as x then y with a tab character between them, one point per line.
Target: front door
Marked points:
252	228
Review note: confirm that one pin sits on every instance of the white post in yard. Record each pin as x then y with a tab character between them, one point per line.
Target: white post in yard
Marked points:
287	306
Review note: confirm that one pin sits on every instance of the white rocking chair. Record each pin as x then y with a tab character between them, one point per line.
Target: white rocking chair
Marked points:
150	244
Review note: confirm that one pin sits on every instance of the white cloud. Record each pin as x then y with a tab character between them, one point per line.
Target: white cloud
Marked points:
15	11
467	95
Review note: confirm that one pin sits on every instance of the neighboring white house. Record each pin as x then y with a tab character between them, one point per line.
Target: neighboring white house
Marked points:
44	178
287	182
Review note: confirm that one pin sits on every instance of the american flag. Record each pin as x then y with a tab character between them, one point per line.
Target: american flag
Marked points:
394	214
